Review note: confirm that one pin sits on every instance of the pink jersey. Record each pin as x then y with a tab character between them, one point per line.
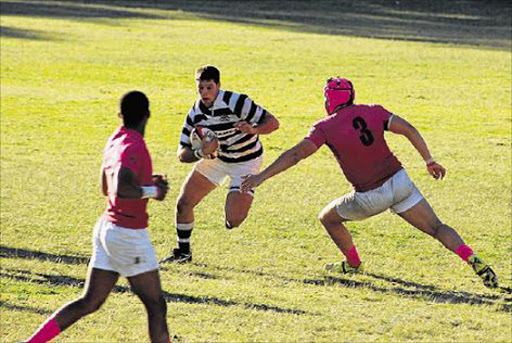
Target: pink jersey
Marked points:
355	135
126	148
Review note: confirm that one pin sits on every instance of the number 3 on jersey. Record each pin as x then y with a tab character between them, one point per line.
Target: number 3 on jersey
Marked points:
366	135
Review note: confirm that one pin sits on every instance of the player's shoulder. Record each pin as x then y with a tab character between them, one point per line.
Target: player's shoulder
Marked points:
136	149
226	93
369	107
323	121
231	96
371	110
134	140
195	108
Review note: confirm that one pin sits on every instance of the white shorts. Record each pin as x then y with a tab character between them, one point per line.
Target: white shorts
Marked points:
398	194
217	171
128	252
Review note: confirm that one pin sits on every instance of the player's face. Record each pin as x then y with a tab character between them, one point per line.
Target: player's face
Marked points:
207	90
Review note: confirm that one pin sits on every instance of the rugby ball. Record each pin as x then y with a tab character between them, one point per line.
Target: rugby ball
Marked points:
199	135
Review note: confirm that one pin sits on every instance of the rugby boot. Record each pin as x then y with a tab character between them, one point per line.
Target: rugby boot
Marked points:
178	256
344	268
483	270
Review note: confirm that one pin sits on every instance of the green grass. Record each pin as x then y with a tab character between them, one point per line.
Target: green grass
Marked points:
61	78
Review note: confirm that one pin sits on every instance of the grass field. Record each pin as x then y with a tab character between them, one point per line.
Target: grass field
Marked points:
64	64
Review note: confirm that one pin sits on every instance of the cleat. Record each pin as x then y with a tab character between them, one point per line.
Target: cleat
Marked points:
177	257
483	270
344	268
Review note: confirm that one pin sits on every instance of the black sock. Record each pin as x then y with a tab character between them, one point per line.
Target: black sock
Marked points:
183	233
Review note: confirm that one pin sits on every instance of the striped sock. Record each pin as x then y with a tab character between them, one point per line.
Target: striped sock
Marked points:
183	232
46	332
464	252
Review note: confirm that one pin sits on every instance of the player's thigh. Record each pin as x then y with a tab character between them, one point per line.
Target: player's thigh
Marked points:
356	206
330	215
238	204
422	217
194	189
147	286
99	284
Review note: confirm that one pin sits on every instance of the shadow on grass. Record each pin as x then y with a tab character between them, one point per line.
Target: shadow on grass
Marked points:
6	305
73	9
63	280
447	297
418	291
6	31
471	22
7	252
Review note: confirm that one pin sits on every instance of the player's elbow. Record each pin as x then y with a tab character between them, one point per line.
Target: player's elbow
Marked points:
181	158
275	124
182	155
271	124
413	134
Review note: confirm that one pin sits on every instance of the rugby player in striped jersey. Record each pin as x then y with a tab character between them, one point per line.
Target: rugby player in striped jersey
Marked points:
236	151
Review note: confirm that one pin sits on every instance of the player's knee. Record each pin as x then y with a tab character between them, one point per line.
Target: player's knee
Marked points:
434	225
90	305
183	205
328	216
234	220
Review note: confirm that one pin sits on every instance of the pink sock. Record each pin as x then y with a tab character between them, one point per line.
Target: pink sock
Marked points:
46	332
353	257
464	252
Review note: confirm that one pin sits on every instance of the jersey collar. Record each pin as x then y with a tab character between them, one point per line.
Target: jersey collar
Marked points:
218	102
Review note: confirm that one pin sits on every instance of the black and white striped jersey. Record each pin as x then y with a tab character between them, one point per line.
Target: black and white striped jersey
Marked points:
228	109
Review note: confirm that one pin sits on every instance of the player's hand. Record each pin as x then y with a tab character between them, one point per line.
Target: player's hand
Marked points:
162	185
245	127
436	170
250	182
211	156
160	179
209	148
162	190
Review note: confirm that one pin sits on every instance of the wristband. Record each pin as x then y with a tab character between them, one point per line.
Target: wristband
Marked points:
149	192
430	161
198	154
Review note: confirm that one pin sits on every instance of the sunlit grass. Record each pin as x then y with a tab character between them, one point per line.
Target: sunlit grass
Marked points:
263	282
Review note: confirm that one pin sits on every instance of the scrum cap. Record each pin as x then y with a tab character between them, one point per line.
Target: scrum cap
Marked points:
338	91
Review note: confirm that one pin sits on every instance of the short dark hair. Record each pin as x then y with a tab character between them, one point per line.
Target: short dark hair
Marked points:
208	72
134	107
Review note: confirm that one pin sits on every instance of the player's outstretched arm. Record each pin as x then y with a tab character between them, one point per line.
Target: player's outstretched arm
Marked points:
128	186
403	127
287	159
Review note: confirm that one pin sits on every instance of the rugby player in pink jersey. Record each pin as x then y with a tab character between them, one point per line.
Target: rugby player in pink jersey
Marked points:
121	244
355	135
